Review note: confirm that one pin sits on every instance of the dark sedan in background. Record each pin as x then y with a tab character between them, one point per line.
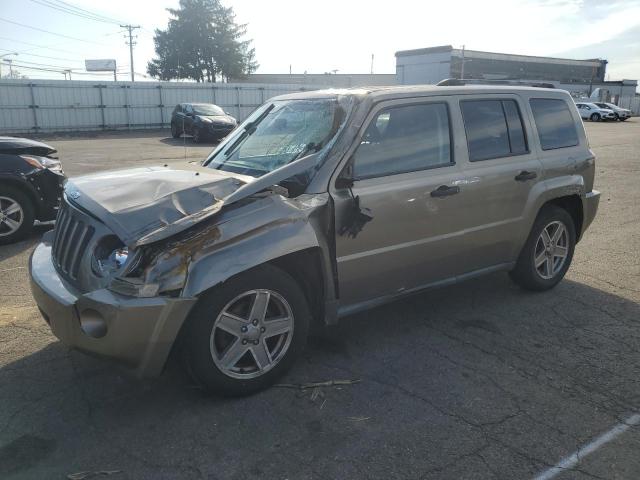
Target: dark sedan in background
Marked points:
31	180
203	121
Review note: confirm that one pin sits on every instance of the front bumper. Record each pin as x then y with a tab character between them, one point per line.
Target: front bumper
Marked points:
219	130
590	204
138	332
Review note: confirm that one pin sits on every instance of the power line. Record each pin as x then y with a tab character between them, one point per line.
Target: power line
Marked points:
40	64
34	45
79	9
76	11
51	33
43	56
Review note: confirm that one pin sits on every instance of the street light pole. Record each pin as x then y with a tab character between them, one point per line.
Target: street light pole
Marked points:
8	61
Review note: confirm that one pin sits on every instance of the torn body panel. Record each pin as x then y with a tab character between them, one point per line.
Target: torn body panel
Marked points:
241	237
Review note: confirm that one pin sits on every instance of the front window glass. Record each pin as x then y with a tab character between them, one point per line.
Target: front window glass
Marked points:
206	109
277	134
404	139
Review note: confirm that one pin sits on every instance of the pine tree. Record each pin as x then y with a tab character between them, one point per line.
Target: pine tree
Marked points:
202	42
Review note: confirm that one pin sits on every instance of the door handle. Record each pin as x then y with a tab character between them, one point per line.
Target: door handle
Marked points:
445	191
523	176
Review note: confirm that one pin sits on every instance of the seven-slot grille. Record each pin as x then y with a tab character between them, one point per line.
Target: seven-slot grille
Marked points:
72	236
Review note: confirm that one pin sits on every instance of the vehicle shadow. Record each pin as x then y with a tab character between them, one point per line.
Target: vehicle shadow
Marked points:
179	142
481	365
13	249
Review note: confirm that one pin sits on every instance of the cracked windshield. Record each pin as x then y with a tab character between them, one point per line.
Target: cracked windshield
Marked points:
278	134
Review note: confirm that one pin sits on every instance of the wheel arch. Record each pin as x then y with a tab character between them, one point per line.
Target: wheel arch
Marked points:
573	206
26	188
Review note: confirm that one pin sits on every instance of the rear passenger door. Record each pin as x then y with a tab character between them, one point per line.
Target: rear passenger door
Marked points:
500	172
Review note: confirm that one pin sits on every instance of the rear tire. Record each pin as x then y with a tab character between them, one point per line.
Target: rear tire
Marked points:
17	214
595	117
543	261
226	337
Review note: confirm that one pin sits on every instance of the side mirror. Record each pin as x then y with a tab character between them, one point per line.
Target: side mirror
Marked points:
189	114
344	182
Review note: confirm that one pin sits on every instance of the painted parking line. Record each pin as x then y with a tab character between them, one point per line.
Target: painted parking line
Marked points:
572	460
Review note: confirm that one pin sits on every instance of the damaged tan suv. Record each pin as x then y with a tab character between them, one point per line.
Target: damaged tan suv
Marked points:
319	205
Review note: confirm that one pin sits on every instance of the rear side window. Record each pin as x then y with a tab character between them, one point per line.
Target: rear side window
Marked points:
404	139
494	129
555	125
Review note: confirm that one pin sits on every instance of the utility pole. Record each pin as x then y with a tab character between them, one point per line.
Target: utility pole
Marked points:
462	68
131	43
8	60
372	64
65	75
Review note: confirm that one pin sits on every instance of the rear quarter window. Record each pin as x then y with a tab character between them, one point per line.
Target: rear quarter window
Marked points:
554	122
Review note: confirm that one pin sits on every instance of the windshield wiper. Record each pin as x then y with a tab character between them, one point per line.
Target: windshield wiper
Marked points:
249	128
308	148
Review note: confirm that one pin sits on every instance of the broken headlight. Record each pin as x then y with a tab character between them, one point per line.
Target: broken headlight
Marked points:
149	273
110	257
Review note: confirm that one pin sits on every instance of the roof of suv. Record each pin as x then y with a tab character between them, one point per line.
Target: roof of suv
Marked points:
395	91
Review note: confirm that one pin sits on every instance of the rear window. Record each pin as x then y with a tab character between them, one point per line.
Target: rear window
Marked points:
555	124
494	129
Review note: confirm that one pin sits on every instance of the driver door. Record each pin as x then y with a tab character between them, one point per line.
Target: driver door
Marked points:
406	182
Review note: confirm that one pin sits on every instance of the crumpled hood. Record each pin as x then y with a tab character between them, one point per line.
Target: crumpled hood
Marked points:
20	146
142	205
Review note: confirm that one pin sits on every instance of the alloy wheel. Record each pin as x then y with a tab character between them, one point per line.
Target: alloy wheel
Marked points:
11	216
251	334
552	249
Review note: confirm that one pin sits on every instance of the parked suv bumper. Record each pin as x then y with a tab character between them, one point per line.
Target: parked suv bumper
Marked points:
136	331
589	208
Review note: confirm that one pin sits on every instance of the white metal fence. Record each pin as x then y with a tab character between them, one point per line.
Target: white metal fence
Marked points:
34	106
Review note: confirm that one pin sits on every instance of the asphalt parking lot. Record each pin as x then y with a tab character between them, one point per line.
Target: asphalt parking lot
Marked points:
477	381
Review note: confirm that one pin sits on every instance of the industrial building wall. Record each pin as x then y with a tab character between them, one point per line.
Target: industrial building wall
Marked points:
622	95
426	69
31	106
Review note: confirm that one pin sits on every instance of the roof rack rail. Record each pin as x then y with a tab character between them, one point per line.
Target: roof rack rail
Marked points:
456	82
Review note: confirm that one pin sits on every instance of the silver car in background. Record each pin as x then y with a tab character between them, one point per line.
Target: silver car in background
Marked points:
593	112
621	114
319	205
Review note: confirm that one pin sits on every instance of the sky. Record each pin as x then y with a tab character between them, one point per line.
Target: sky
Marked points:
328	35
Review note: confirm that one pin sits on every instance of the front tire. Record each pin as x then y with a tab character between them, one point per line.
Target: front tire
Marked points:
17	214
548	251
595	117
175	133
246	333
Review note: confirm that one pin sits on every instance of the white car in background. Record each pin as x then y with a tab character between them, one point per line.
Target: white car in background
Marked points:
594	113
620	113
